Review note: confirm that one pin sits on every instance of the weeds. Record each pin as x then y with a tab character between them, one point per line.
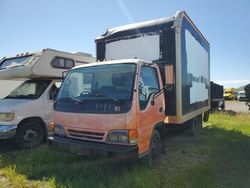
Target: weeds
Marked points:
218	157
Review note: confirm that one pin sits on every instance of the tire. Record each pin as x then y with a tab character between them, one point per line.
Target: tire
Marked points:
155	147
29	134
195	125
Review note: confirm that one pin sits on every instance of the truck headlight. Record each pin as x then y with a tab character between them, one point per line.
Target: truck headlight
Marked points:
9	116
59	130
123	136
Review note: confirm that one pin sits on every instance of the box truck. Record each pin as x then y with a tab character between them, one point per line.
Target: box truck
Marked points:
119	107
26	111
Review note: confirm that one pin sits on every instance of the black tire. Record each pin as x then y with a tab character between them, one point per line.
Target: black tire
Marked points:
195	125
155	147
29	134
223	106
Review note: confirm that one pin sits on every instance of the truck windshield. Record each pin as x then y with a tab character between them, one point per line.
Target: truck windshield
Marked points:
12	62
103	88
30	89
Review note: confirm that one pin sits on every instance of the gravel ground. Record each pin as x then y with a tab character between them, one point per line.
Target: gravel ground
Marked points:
237	106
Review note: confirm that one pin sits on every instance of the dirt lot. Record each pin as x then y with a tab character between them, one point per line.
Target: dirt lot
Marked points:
237	106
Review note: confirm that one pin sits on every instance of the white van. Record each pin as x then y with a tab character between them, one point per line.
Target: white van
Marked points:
26	111
241	96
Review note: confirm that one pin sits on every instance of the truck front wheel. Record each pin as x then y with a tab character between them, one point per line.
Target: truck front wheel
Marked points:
155	147
29	134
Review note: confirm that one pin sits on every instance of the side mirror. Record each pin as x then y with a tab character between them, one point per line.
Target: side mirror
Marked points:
53	93
52	96
169	75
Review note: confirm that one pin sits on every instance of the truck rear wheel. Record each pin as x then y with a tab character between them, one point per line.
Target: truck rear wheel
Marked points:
195	125
29	134
153	157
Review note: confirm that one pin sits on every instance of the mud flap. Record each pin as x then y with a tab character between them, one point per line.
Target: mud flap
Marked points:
206	116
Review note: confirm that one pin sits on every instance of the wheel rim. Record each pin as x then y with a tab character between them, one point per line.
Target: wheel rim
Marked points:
30	135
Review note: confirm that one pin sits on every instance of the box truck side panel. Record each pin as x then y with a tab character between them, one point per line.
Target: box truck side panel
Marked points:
195	69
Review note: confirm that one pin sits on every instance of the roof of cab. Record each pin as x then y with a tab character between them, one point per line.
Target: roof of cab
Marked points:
120	61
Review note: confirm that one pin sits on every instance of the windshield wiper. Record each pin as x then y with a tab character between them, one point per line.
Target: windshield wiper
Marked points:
104	95
10	97
17	97
70	99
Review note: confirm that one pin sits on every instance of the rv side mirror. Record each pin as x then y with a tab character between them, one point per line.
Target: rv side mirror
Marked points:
53	97
64	73
169	75
53	92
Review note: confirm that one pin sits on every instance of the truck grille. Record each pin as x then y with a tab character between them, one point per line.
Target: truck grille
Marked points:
86	135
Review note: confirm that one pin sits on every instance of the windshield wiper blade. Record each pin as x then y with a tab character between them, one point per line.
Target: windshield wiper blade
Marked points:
104	95
71	98
17	97
10	97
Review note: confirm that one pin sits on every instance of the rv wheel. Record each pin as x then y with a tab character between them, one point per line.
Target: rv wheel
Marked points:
29	134
153	157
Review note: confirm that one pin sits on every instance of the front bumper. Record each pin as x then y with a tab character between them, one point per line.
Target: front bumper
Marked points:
7	131
93	149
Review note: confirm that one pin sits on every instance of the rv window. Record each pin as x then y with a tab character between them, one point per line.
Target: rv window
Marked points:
62	63
69	63
30	89
13	62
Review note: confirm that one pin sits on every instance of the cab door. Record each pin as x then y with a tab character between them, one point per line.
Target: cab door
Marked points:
149	113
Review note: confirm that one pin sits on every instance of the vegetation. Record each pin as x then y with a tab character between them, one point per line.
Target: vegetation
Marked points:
218	157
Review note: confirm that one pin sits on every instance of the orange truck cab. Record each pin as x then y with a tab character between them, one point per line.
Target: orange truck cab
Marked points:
107	110
120	106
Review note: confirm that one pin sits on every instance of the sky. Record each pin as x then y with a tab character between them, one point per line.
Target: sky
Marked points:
73	25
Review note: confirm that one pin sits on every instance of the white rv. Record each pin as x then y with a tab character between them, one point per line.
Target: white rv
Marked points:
26	111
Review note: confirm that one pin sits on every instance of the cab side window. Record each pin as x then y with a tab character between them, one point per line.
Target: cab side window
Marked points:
148	85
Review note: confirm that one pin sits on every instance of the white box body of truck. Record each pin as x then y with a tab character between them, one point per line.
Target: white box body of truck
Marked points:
173	41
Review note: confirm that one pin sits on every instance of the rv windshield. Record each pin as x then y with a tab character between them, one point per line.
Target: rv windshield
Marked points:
13	62
97	89
30	89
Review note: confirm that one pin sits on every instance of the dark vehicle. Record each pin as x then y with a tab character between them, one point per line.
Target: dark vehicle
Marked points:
217	99
247	91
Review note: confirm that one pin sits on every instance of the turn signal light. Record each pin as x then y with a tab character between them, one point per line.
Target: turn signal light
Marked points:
133	136
52	125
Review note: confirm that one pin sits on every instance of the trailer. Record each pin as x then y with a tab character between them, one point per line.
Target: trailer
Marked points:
149	76
35	78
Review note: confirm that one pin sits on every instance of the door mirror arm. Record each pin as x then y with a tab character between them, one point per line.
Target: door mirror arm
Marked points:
159	92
